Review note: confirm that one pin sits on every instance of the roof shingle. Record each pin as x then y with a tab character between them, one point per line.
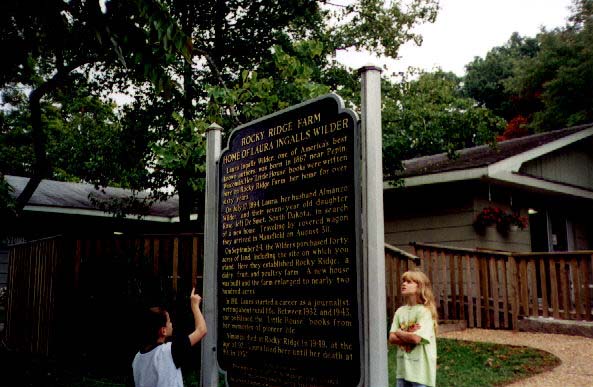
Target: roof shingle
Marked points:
483	155
59	194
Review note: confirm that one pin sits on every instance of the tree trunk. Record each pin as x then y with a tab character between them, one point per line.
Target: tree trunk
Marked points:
41	167
185	202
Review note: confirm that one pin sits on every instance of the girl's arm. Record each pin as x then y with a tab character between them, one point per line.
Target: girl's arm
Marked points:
393	339
406	337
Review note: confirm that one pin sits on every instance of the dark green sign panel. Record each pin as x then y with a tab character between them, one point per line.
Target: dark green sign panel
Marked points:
289	241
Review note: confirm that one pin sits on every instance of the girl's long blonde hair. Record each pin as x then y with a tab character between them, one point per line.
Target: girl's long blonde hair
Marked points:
425	295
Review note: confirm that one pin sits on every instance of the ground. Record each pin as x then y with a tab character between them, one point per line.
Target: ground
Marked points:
575	352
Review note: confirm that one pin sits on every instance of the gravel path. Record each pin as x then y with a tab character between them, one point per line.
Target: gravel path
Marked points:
576	353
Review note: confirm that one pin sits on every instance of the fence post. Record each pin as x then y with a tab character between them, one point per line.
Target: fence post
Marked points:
209	377
469	287
587	266
512	291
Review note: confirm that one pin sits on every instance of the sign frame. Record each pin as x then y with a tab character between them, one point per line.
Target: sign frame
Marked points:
356	179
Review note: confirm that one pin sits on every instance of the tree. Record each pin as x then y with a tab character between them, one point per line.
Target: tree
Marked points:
232	80
430	115
485	78
176	55
561	74
51	42
83	136
543	83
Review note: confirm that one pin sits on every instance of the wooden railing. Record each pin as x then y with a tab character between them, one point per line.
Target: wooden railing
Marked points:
492	289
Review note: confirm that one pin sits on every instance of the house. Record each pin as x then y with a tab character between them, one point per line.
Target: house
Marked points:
546	178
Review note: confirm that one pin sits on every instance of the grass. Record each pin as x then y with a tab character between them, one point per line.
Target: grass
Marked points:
465	363
460	363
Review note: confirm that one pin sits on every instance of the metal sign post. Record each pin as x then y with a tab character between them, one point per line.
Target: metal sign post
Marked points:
209	367
373	255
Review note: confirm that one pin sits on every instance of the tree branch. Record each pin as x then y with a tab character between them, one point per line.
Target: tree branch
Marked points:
41	166
334	4
218	76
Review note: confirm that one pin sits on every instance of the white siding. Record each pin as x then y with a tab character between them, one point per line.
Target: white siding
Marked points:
444	214
440	215
572	165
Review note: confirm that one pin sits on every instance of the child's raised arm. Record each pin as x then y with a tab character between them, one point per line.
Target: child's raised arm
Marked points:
200	324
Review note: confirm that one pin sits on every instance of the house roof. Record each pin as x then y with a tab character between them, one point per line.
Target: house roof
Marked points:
73	198
499	163
484	155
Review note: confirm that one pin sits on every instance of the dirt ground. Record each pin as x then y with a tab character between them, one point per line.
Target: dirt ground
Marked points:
575	352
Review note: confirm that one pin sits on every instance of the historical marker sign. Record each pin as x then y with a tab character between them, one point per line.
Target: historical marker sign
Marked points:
288	263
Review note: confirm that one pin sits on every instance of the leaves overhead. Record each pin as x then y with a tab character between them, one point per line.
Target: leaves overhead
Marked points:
185	64
544	80
430	115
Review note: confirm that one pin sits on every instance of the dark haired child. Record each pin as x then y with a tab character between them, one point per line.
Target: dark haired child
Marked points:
157	363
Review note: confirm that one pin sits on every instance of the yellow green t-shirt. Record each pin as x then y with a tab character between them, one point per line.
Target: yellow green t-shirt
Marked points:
416	363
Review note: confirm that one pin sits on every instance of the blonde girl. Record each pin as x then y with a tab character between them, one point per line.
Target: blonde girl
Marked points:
414	332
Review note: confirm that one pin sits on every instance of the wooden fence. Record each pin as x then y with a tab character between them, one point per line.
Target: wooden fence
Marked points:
32	286
491	289
60	288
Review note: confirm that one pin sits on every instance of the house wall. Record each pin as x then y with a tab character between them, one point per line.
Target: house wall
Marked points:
444	214
581	216
491	238
424	214
571	165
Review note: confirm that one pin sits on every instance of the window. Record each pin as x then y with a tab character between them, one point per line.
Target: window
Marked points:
550	231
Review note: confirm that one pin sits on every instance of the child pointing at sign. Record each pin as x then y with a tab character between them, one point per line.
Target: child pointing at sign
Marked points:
414	332
157	364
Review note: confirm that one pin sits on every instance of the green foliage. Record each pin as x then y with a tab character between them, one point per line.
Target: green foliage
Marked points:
378	26
164	40
7	207
290	82
546	80
485	78
178	155
429	115
85	138
186	64
16	151
561	75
